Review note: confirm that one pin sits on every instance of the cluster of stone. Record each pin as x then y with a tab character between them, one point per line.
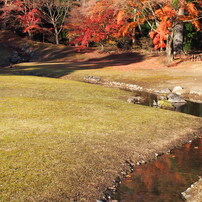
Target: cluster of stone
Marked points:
166	98
23	54
114	84
126	86
92	79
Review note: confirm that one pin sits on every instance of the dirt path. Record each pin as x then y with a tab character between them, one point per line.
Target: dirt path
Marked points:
146	71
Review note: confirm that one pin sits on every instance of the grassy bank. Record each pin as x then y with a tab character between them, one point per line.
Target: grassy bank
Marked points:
195	193
63	140
147	71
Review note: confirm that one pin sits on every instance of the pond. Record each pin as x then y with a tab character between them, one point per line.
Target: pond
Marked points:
192	108
165	178
189	107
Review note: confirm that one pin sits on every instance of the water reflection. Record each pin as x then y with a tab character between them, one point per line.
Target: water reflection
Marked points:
165	178
189	107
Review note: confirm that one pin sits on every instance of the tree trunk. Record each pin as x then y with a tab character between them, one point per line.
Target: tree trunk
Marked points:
134	30
102	47
178	34
56	36
56	39
169	48
133	37
30	35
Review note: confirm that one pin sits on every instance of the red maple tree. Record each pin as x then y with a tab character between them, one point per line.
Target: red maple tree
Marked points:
22	14
101	24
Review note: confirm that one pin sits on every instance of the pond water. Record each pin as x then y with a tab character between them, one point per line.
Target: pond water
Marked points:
192	108
165	178
189	107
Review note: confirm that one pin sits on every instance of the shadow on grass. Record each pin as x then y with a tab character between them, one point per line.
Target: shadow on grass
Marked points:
50	52
59	69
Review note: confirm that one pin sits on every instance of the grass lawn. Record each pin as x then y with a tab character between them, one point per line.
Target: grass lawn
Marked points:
62	140
147	71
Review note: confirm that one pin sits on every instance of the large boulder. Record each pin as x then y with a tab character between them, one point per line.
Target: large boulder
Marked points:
179	90
165	91
176	89
92	79
172	97
136	100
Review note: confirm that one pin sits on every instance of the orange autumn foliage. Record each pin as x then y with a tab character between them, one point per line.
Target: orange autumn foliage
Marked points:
159	36
106	20
168	18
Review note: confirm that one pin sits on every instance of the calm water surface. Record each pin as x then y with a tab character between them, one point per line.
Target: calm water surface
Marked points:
192	108
164	179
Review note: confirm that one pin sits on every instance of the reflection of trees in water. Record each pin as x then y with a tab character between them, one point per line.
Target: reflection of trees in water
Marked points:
165	178
192	108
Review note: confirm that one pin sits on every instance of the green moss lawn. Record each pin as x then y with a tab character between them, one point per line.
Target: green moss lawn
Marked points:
64	140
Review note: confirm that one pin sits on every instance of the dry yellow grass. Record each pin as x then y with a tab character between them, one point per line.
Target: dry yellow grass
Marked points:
63	140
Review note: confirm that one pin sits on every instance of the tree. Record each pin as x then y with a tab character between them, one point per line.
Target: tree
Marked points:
30	14
55	12
96	22
165	20
21	14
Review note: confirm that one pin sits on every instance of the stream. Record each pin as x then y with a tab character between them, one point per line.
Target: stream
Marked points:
165	178
189	107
